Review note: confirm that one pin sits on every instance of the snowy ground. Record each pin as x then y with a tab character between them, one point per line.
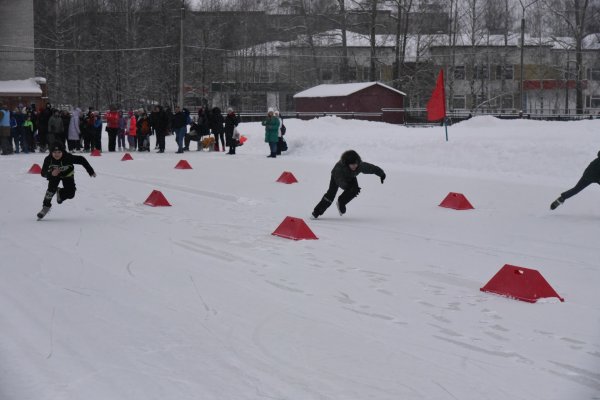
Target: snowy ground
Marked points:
107	298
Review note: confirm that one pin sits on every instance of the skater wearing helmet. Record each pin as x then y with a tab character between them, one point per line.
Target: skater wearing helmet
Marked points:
59	166
343	175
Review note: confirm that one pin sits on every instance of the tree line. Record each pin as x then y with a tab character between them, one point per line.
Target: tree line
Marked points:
126	52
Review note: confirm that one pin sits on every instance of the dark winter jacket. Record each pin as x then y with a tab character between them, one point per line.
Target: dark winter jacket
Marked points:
159	120
231	121
66	165
215	121
344	176
592	172
55	124
179	120
202	122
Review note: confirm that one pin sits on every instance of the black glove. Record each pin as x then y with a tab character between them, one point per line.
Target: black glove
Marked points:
382	177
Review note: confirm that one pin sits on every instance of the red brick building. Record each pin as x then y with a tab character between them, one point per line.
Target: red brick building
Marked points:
24	92
372	101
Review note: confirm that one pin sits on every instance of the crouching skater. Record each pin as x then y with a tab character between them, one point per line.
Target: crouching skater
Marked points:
343	175
59	166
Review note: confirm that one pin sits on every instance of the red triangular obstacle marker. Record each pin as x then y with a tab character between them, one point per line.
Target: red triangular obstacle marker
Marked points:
95	153
126	157
520	283
182	164
294	228
157	199
287	177
457	201
35	169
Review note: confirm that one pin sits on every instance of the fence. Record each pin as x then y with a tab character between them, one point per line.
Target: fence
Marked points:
418	116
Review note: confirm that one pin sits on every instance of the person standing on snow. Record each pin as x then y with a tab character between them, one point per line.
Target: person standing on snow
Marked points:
271	125
590	175
74	132
231	121
343	175
60	166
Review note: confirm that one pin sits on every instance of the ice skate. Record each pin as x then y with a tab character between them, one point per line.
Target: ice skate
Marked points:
341	208
43	212
556	203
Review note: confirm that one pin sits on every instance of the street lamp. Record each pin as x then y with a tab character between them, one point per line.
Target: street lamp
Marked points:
180	95
523	7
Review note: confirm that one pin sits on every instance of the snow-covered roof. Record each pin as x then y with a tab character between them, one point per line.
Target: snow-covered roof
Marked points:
340	90
415	44
25	87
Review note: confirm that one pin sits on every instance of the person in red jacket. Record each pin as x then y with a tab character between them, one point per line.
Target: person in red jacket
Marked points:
132	130
112	127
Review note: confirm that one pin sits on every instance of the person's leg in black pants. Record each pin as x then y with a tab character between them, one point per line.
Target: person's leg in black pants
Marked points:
68	189
327	199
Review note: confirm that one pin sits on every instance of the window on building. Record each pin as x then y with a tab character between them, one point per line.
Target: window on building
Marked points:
459	72
481	72
459	102
592	101
508	102
504	72
481	102
593	74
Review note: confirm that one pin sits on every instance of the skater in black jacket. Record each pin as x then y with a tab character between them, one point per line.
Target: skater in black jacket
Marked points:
59	166
590	175
343	175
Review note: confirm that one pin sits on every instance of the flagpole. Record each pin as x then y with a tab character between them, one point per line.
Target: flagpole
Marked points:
446	127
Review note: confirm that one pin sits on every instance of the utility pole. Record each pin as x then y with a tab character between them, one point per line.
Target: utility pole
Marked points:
181	17
523	7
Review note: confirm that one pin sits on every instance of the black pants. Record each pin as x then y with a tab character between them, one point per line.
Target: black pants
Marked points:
582	184
351	191
160	139
220	136
112	138
66	192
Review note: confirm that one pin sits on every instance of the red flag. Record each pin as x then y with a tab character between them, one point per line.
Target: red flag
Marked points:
436	106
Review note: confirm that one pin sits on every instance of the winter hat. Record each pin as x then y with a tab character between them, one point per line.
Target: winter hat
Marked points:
350	157
57	146
270	110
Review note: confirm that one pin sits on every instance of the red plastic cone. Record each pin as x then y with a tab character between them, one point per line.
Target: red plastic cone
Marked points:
95	153
183	164
157	199
457	201
287	177
294	228
520	283
35	169
126	157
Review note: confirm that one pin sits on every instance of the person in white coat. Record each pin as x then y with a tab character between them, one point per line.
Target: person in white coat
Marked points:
74	133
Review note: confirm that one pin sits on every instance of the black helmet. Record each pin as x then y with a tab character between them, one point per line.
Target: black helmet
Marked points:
57	146
350	157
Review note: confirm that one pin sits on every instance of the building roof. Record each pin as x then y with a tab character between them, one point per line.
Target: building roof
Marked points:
24	87
340	90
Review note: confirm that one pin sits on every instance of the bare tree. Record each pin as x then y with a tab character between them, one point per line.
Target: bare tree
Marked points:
574	14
